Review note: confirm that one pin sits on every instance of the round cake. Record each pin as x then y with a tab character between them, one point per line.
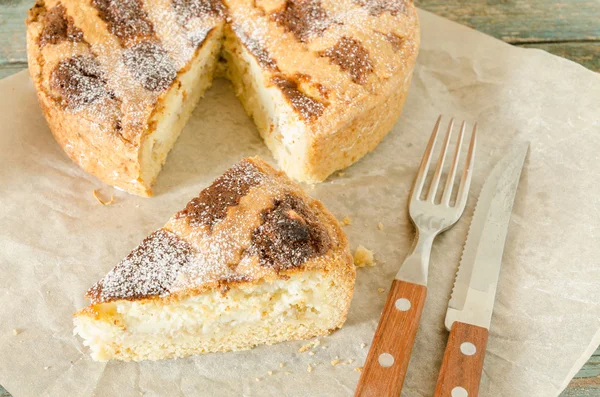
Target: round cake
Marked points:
323	80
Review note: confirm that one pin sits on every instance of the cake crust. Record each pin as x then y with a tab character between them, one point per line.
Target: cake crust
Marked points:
250	224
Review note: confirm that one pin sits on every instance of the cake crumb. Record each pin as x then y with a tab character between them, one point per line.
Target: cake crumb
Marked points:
380	290
309	346
335	362
288	373
380	226
311	353
270	373
281	365
363	345
309	368
350	361
358	369
16	332
363	257
46	368
112	198
257	379
323	347
346	221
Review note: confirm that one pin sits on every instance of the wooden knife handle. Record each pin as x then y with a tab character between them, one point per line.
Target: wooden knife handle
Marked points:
387	361
463	361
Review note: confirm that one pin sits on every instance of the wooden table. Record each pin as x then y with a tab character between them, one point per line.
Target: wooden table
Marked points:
568	28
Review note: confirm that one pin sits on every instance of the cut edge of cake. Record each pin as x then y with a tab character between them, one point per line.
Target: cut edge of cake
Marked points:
305	305
175	107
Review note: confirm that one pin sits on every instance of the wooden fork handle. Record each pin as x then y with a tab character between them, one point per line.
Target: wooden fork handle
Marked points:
463	361
385	368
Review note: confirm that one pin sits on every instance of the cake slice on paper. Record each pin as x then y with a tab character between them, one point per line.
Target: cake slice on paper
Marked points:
251	260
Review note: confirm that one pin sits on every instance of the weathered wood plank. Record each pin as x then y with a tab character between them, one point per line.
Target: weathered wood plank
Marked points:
7	70
520	21
12	30
583	387
581	392
587	381
591	369
586	54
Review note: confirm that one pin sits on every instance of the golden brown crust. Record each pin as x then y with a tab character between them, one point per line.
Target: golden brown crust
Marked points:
352	57
269	232
58	27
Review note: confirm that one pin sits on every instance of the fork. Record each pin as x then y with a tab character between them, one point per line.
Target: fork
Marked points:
387	362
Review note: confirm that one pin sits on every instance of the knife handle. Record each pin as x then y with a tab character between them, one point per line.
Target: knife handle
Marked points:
463	361
386	364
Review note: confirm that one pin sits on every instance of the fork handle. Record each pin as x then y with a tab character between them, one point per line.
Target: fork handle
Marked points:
386	364
463	361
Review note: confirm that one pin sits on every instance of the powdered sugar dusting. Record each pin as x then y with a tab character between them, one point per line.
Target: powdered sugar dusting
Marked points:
226	191
308	108
80	82
256	48
378	7
59	27
149	270
350	55
188	9
304	18
126	19
395	40
198	36
150	65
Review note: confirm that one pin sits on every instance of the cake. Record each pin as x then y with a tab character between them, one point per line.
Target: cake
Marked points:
251	260
323	80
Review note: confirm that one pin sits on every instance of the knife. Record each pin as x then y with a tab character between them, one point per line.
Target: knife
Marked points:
472	302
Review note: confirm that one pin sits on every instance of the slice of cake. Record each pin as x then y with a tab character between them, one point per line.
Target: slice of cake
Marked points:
251	260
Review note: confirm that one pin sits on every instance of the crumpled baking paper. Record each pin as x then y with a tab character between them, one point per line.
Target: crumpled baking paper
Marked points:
56	239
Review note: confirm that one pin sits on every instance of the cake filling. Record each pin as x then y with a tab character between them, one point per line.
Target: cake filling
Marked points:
277	122
178	103
306	304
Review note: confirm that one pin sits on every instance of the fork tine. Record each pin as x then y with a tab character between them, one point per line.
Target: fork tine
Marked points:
424	167
440	165
465	182
452	174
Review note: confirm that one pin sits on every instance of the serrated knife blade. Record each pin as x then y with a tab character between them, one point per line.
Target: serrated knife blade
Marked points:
474	289
472	303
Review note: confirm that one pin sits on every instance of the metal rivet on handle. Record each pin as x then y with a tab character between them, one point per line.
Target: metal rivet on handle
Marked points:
403	304
459	392
386	360
468	349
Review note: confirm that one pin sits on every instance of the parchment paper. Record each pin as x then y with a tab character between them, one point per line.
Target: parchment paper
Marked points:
56	239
